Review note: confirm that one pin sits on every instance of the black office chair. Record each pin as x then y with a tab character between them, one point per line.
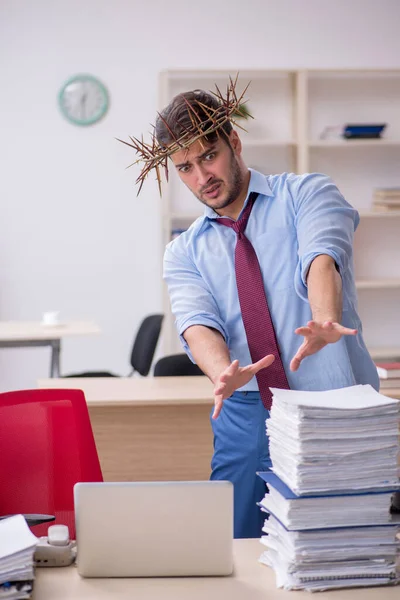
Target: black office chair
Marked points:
144	347
176	365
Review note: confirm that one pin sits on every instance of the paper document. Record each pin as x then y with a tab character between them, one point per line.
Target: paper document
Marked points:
335	469
17	546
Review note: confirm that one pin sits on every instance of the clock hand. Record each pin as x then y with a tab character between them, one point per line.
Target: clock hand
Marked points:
83	105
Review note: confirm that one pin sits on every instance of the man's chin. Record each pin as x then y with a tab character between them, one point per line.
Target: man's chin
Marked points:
216	203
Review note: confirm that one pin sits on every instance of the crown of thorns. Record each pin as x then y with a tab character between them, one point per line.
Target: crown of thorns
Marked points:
154	156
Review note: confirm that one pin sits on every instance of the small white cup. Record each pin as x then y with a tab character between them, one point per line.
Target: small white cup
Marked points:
51	317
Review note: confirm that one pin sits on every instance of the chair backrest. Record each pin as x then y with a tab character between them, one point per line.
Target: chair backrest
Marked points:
175	365
46	446
145	343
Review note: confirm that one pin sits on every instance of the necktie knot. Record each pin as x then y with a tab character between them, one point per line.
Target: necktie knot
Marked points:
240	225
237	227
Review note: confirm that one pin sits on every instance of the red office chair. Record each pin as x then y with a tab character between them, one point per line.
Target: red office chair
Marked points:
46	446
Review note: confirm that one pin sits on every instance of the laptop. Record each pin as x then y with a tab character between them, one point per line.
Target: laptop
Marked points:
154	529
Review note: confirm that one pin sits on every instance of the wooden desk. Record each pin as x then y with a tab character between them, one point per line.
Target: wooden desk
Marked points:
148	429
251	581
20	334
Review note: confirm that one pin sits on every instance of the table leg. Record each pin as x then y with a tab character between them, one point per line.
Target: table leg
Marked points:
55	358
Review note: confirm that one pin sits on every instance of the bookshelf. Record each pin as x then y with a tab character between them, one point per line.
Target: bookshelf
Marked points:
375	214
378	284
292	108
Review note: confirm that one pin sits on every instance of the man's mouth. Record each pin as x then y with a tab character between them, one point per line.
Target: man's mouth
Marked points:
212	191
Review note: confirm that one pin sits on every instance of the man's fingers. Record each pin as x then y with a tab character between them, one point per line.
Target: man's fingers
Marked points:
303	331
296	360
295	363
298	357
341	329
219	389
229	371
233	367
217	407
263	363
313	327
224	378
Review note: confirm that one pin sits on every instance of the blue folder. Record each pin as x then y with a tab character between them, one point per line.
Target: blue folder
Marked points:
395	524
272	479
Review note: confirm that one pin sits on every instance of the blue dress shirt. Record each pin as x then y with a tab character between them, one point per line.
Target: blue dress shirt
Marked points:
294	219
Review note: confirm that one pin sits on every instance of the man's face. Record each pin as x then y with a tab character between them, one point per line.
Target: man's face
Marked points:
211	171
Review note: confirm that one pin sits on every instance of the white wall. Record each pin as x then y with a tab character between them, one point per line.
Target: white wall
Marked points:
73	235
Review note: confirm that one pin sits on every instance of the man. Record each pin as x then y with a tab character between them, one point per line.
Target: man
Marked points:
300	230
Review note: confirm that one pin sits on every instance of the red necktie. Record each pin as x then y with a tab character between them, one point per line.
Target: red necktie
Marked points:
257	321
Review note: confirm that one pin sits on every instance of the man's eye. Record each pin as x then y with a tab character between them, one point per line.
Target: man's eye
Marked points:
209	156
184	169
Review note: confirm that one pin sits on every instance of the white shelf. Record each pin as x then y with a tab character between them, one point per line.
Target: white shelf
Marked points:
356	143
206	74
385	352
381	214
378	284
266	143
184	217
352	75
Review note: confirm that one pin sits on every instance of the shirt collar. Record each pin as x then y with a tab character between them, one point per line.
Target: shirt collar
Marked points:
258	183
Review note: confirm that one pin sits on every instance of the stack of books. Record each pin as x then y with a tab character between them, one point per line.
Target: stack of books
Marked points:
389	374
17	547
386	199
177	232
335	470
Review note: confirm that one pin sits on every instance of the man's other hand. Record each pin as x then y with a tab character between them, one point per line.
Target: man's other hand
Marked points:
234	377
317	336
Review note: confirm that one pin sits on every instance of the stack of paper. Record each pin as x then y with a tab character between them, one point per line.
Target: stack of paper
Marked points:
343	440
17	546
331	558
334	457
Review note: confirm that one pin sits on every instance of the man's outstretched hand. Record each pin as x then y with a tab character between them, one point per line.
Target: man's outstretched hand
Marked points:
234	377
317	336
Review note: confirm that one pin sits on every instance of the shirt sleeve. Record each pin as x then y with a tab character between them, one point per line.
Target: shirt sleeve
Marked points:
325	224
192	303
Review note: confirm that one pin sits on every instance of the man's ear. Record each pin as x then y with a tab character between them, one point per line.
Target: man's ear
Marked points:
235	142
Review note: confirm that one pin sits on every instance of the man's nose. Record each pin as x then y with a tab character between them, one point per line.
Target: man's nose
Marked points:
203	175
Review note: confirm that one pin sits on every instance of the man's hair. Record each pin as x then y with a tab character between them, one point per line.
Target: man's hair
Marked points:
178	117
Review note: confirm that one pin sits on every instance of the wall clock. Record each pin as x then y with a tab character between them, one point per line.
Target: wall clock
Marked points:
83	100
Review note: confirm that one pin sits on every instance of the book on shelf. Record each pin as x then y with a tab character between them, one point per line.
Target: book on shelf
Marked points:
386	199
389	384
392	201
176	232
393	192
388	370
379	207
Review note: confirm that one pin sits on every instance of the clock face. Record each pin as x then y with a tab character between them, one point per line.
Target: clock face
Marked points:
83	100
